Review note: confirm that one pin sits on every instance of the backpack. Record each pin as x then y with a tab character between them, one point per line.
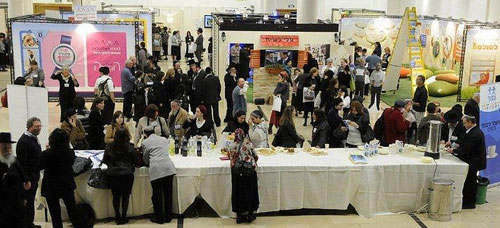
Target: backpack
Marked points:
379	127
103	89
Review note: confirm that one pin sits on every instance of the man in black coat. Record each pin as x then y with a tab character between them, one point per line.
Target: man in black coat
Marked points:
13	184
211	95
28	152
471	150
454	124
472	107
196	96
243	71
229	84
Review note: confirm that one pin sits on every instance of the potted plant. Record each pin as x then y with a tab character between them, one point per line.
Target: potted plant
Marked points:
274	68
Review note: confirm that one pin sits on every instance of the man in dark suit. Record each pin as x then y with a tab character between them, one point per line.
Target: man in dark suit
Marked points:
229	84
471	150
29	152
472	107
199	45
211	95
453	128
243	71
196	96
284	58
13	184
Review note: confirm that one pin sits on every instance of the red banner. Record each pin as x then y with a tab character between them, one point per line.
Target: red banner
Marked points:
279	40
254	58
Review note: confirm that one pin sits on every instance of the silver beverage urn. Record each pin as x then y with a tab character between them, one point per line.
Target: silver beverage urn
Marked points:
432	149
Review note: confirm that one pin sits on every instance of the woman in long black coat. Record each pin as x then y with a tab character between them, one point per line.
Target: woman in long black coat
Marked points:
337	124
67	84
58	181
312	79
96	128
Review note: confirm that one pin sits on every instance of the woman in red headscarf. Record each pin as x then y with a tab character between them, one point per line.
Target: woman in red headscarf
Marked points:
245	194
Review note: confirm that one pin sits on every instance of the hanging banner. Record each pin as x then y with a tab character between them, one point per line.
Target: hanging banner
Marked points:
82	47
490	125
279	40
82	13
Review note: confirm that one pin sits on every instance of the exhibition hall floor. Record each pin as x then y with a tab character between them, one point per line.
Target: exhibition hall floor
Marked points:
483	216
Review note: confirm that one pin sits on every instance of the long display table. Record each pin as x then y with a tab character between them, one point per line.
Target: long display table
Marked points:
387	184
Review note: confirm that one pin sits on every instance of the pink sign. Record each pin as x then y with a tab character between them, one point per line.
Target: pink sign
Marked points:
106	49
63	48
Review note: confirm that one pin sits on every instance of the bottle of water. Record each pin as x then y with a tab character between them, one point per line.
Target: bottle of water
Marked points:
376	148
212	138
367	150
184	148
372	149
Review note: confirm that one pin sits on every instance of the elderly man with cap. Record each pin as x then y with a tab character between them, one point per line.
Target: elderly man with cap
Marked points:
13	184
395	124
329	66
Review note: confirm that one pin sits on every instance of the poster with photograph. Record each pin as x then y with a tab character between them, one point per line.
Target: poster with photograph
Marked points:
320	52
82	47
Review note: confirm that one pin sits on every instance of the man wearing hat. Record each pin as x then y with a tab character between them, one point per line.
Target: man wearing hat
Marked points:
453	129
395	125
199	45
13	184
196	88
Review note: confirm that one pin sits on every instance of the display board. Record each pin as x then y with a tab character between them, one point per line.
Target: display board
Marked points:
26	102
490	125
480	60
83	47
145	22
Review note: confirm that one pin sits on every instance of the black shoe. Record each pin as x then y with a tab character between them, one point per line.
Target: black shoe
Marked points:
37	226
240	219
469	206
157	221
118	221
125	220
305	124
168	219
251	217
217	125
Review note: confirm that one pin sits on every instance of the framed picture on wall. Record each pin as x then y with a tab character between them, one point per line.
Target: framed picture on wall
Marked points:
208	21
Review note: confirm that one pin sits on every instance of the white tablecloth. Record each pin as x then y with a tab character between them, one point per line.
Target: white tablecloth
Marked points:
387	184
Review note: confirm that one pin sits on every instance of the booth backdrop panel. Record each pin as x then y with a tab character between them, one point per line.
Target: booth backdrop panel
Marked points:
387	184
145	22
490	125
441	40
24	103
85	47
481	63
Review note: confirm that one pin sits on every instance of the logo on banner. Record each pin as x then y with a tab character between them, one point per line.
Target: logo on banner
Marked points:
63	54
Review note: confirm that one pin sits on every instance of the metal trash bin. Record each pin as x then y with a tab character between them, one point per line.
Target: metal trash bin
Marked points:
441	199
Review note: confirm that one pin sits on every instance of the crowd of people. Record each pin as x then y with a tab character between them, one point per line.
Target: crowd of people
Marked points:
160	102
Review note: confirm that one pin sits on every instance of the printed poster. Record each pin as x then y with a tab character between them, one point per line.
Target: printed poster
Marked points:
490	125
106	49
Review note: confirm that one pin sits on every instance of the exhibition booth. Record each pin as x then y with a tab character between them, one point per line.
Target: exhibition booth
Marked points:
83	46
268	41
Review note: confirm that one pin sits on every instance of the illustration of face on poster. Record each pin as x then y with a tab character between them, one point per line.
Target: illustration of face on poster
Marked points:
366	31
30	49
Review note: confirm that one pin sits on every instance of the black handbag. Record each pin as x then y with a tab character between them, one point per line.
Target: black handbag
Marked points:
81	165
368	136
98	179
339	134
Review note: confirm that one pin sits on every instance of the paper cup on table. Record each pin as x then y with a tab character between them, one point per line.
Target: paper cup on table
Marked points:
492	151
327	146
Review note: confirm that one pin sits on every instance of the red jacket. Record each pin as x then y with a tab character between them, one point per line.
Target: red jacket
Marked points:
395	126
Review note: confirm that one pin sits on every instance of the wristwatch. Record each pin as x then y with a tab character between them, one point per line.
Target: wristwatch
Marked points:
63	54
